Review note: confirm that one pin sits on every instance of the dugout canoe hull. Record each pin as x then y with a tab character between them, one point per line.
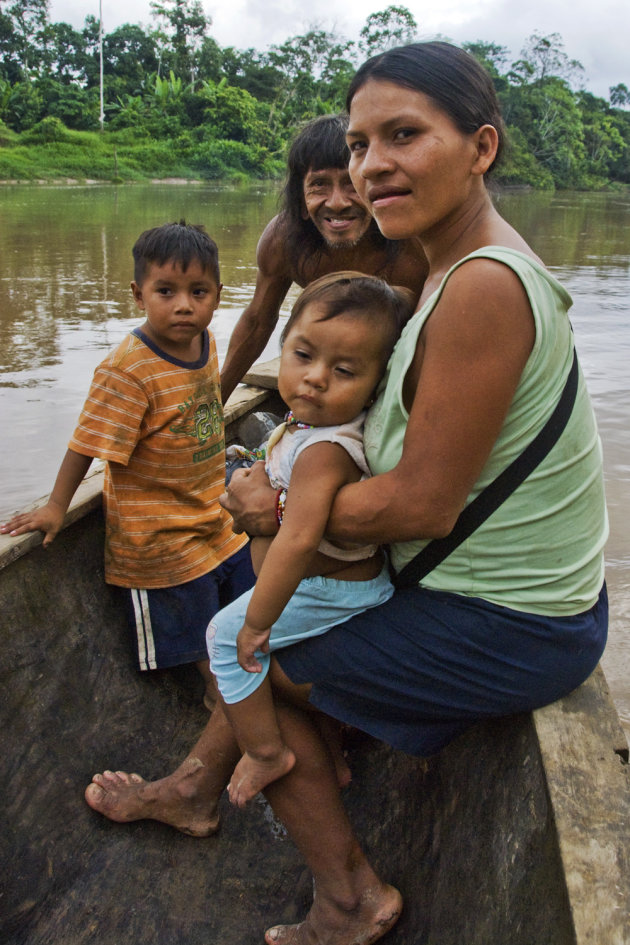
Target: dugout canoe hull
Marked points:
516	834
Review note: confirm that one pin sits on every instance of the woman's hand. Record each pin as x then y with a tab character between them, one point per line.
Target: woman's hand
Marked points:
251	501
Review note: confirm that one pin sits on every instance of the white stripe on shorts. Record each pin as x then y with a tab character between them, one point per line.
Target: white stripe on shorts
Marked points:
144	631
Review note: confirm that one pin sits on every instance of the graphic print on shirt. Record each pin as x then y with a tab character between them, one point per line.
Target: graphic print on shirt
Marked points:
202	420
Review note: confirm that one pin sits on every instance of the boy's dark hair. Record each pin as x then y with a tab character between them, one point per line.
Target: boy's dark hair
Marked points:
178	243
369	298
320	144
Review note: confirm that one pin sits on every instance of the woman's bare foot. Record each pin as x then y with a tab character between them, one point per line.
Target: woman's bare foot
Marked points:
377	912
332	732
211	692
178	800
251	775
210	697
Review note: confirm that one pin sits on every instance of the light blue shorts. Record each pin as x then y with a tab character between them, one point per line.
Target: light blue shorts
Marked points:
318	604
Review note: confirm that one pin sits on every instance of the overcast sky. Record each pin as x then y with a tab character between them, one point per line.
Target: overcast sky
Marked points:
596	32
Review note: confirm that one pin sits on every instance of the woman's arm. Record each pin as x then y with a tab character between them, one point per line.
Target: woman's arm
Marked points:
470	357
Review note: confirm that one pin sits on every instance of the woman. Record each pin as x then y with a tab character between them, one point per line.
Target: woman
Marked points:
517	615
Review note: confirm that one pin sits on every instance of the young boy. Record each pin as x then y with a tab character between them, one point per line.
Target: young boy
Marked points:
335	348
154	414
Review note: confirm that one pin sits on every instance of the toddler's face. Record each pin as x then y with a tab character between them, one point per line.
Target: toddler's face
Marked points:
329	369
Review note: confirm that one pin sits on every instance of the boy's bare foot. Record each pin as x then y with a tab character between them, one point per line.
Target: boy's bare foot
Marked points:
178	800
251	775
375	915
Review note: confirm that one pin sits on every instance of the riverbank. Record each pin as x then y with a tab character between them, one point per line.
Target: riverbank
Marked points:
77	182
49	152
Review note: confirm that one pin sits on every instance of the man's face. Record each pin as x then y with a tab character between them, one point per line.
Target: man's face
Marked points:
335	208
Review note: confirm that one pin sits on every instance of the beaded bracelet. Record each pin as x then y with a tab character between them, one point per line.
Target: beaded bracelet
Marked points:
281	498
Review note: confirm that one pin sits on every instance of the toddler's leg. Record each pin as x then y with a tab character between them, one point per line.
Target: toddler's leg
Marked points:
265	755
248	705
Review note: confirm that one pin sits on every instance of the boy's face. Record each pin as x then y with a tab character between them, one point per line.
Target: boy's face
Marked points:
329	370
178	305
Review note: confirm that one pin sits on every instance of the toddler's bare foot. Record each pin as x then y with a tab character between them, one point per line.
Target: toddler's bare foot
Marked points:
375	915
251	775
178	800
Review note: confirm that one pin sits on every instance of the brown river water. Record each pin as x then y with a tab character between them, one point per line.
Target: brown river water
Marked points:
65	268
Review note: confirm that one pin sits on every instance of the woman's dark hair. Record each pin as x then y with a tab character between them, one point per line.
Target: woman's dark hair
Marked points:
177	243
448	75
386	308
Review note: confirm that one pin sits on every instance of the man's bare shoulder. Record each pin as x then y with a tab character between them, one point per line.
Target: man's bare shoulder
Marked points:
410	266
272	256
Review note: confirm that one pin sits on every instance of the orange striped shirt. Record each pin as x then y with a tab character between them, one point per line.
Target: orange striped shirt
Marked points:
159	424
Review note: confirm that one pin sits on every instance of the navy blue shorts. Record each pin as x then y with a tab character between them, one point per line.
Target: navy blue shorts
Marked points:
169	623
421	668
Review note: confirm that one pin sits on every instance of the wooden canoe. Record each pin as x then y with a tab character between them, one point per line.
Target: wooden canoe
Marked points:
518	833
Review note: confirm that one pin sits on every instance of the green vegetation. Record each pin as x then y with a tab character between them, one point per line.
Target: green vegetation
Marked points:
176	104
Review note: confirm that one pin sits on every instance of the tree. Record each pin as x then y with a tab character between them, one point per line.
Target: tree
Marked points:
548	116
251	70
619	95
231	113
493	58
393	26
65	53
543	57
603	140
22	25
129	56
25	106
305	66
10	65
185	27
75	106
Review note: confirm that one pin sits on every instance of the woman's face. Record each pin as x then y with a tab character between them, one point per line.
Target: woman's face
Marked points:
409	163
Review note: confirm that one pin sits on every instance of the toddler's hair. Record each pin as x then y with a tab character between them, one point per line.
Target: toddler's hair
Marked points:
177	243
386	308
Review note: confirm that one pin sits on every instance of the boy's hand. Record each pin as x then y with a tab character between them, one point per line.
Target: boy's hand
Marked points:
47	519
248	641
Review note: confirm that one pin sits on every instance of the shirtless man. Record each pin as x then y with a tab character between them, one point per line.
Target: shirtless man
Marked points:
323	227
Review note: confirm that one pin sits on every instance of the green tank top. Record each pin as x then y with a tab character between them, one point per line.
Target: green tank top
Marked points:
542	550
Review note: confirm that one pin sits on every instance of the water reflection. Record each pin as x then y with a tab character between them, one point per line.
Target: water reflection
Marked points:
65	269
585	240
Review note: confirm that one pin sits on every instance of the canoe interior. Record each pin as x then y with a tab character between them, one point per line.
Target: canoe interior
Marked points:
473	837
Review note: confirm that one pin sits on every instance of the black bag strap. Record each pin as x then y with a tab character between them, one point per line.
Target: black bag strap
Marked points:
489	500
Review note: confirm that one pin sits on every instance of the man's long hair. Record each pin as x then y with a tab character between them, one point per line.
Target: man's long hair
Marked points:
320	144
